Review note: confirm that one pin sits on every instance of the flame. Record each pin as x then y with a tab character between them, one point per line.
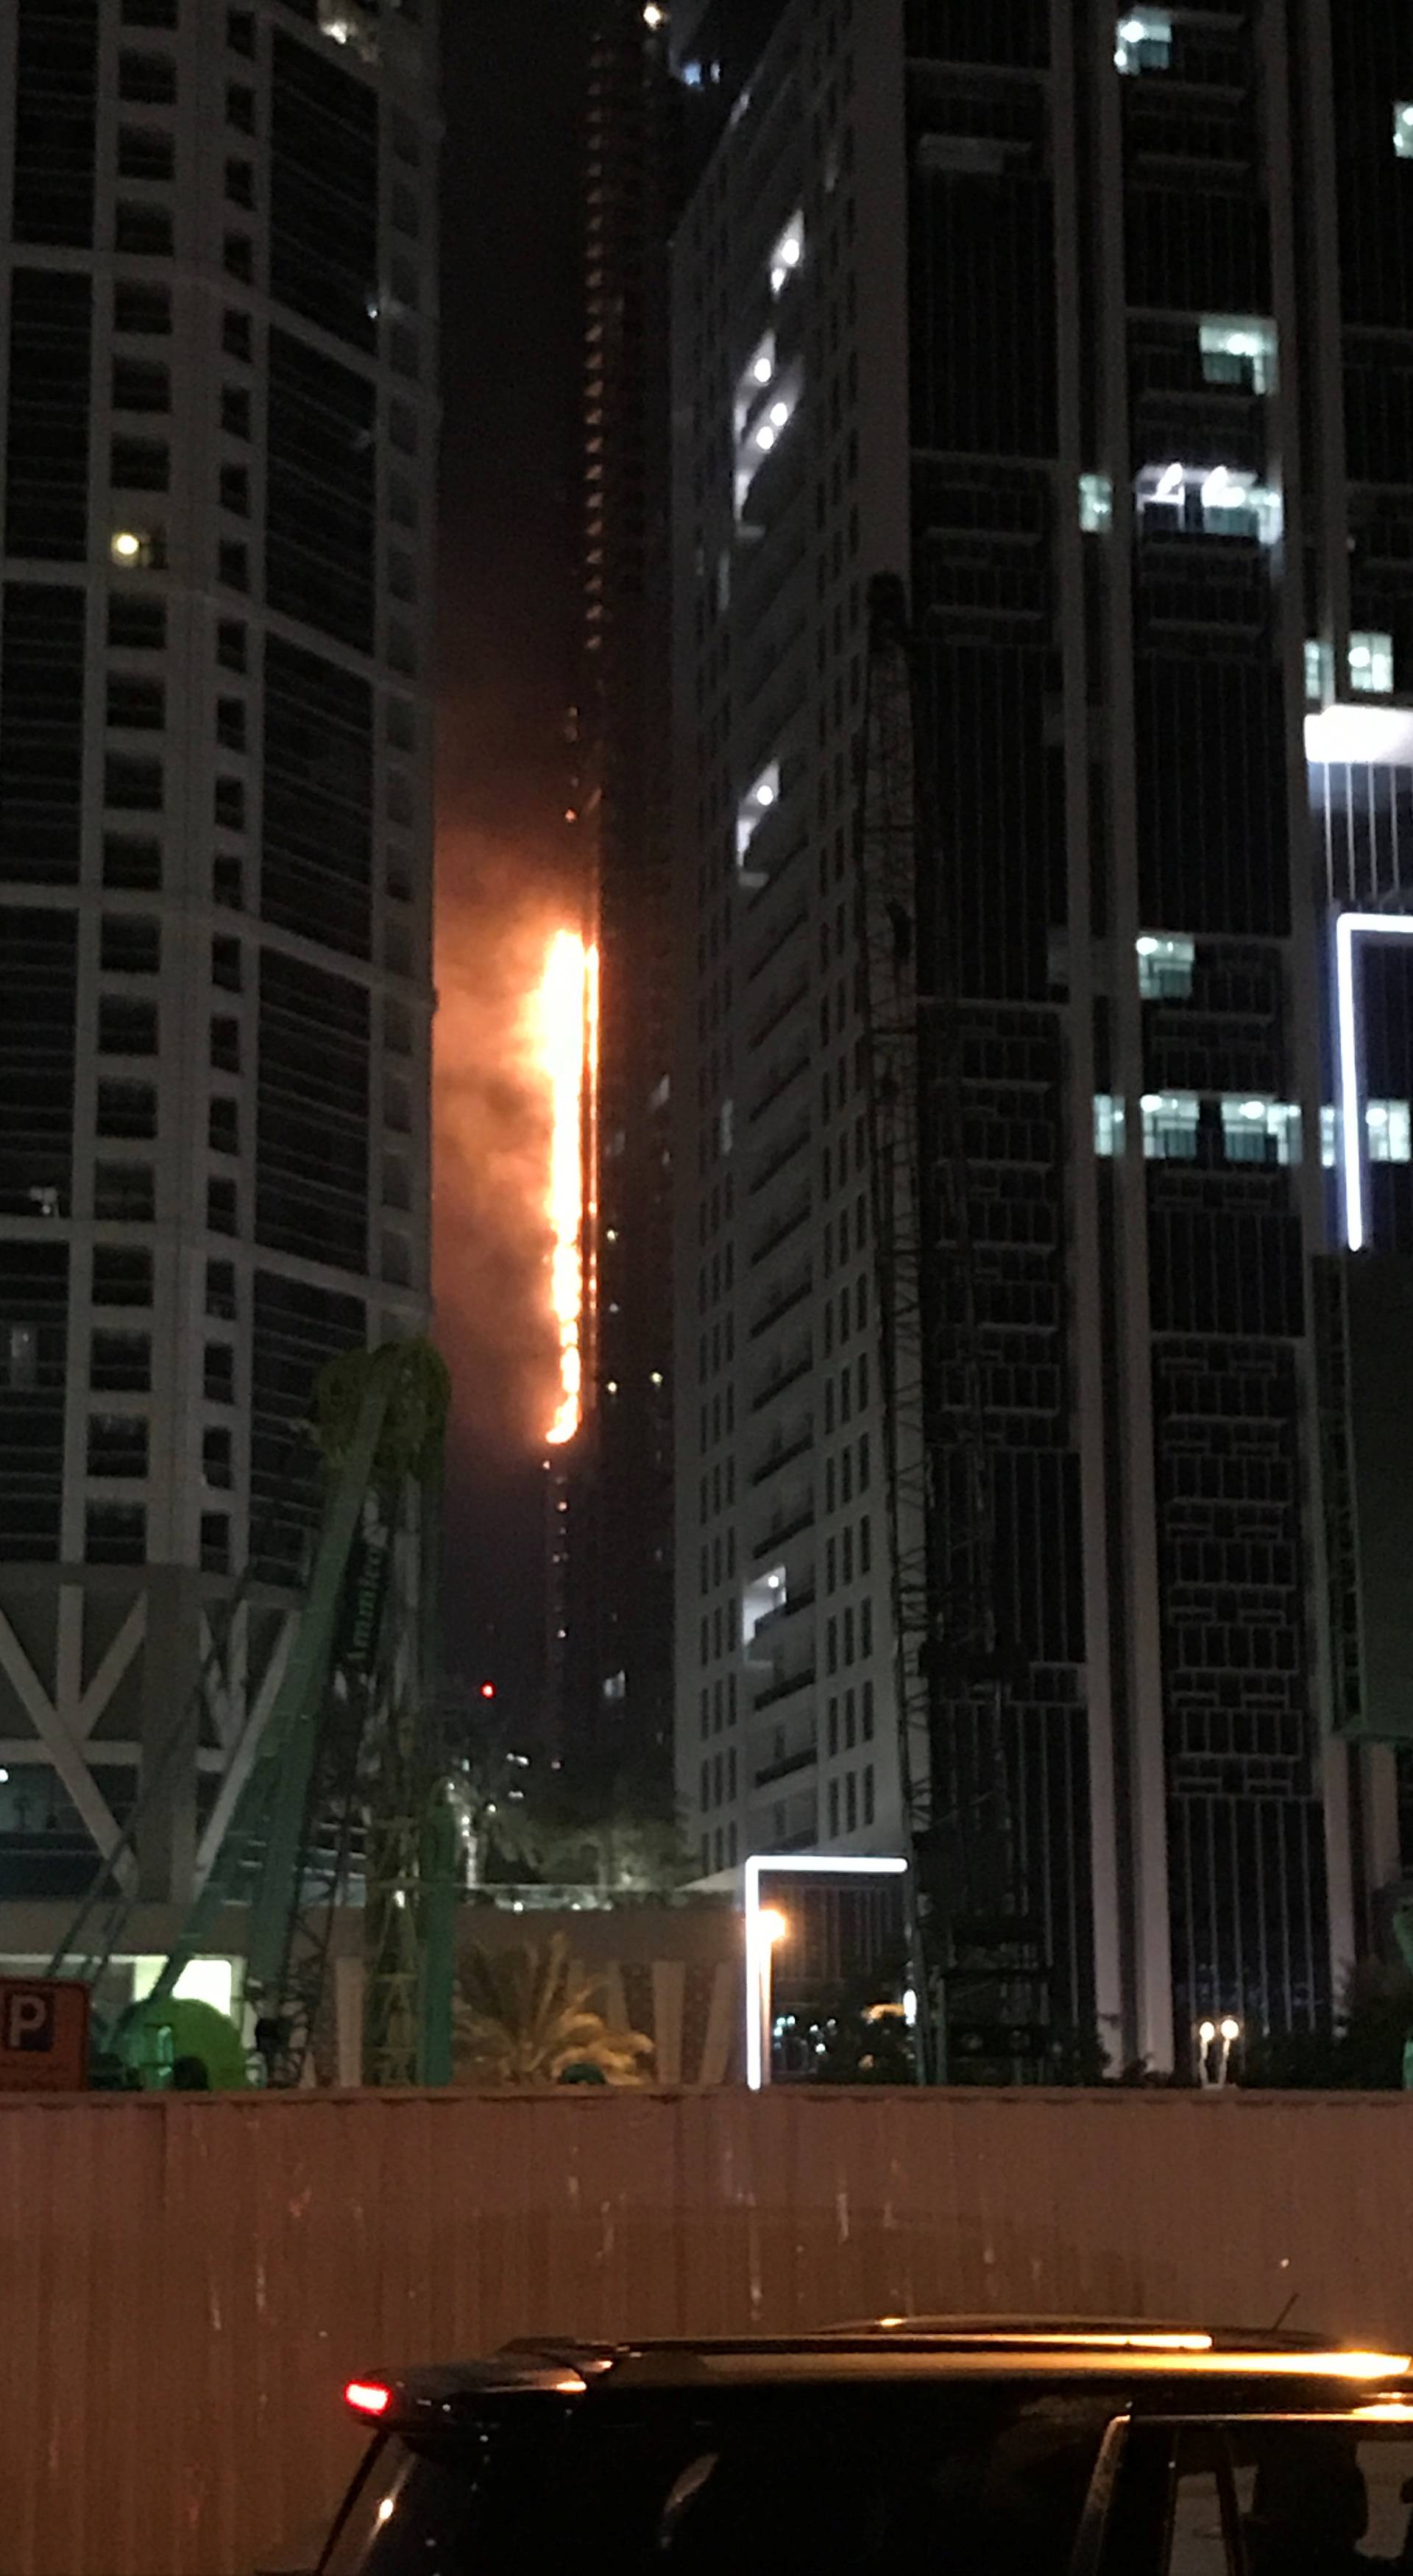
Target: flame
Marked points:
566	1017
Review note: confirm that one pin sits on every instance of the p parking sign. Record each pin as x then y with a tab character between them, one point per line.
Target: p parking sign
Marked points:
43	2035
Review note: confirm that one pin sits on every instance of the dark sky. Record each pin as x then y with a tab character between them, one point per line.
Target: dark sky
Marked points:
506	863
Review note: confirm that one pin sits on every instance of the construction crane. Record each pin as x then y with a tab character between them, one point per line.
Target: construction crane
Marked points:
948	1658
340	1762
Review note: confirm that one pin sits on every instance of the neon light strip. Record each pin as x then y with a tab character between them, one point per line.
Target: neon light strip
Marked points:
1349	927
795	1865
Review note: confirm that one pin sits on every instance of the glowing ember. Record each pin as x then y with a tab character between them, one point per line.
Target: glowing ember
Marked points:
567	1035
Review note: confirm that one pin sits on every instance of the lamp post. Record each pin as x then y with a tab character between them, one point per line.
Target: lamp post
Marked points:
765	1926
1215	2042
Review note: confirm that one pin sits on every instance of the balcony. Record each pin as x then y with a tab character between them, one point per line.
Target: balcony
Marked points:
788	1687
785	1767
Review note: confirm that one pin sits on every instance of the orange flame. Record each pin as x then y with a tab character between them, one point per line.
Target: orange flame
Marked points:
566	1019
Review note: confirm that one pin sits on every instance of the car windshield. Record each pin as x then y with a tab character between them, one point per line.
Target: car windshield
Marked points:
800	2481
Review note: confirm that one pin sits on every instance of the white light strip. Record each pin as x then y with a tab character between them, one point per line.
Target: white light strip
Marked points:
796	1865
1349	927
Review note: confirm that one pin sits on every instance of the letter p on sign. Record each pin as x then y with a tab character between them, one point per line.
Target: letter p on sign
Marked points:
43	2035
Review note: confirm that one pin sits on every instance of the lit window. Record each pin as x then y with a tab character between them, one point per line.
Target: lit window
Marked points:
1165	968
1108	1124
1143	41
760	1600
1403	129
787	255
1170	1123
1096	504
1390	1131
1371	665
1388	1126
348	22
1213	501
1238	349
130	547
1319	673
1260	1131
750	814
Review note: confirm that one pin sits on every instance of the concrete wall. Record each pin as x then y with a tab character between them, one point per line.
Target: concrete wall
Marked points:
186	2282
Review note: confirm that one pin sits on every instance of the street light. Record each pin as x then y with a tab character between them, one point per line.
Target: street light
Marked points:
1222	2037
765	1926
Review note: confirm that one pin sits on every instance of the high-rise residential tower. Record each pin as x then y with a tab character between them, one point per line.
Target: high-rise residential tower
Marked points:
1097	328
217	425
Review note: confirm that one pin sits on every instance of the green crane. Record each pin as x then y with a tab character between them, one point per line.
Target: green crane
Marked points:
343	1746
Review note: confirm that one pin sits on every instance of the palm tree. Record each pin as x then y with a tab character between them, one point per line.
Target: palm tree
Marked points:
522	2019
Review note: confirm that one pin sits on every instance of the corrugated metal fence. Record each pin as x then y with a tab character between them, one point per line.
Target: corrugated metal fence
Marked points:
185	2283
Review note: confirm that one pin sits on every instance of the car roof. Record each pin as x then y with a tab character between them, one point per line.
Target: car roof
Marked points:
1160	2363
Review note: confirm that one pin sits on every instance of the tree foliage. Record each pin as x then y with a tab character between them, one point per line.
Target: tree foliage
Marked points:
522	2018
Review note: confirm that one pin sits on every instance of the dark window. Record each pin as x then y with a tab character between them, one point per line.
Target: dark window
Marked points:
46	491
146	152
321	534
233	565
122	1275
216	1456
130	944
38	1004
318	792
126	1027
235	489
682	2479
226	964
147	80
34	1301
131	784
231	645
132	701
221	1209
235	411
228	881
240	31
124	1193
240	183
136	625
225	1046
132	863
149	13
312	1142
127	1109
230	723
140	465
223	1125
238	335
41	734
120	1363
324	193
240	107
144	309
239	257
297	1328
115	1534
56	94
215	1543
218	1368
221	1290
145	230
141	384
230	804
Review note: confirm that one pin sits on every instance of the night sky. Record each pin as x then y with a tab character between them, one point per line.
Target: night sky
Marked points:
507	866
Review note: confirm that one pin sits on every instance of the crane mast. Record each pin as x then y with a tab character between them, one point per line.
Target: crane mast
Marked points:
948	1663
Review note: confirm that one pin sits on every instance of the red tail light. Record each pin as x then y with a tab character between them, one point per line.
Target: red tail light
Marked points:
369	2397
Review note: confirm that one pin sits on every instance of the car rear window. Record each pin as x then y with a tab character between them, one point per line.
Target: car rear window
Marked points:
858	2478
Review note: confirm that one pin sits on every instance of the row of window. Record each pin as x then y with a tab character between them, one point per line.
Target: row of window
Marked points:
115	1533
1252	1130
845	1816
